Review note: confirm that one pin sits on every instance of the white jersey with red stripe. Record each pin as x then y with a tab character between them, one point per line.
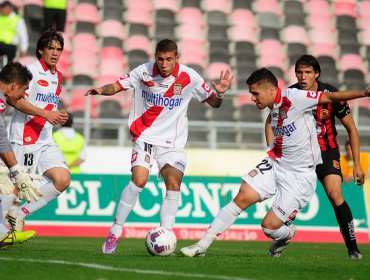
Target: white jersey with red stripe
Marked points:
43	92
158	113
295	146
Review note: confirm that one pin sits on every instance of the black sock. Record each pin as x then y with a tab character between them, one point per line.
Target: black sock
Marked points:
346	226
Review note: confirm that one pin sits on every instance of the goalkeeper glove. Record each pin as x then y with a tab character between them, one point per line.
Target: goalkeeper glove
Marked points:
6	185
27	189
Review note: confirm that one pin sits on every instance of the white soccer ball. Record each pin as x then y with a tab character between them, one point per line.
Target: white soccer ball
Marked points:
160	241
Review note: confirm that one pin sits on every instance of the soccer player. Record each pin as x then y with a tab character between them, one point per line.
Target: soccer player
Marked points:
288	173
308	72
31	128
14	80
159	127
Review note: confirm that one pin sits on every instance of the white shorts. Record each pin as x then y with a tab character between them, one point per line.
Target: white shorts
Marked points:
144	154
39	159
293	190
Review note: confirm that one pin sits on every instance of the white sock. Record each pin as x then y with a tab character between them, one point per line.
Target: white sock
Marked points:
3	226
277	234
127	202
49	192
7	201
169	208
224	219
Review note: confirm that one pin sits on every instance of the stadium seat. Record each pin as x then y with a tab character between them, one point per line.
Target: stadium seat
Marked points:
354	79
345	8
112	28
197	67
217	18
318	7
295	34
273	61
240	34
138	29
85	41
217	33
165	16
365	37
113	13
249	112
171	5
220	5
138	15
324	49
87	12
78	100
111	52
318	21
112	42
269	19
198	111
25	60
322	36
139	42
190	3
190	31
347	37
142	4
246	48
271	47
215	68
269	33
352	61
242	4
85	27
137	57
364	8
365	22
164	31
193	56
243	17
346	22
193	45
111	67
219	56
267	6
191	15
295	50
227	112
293	8
295	20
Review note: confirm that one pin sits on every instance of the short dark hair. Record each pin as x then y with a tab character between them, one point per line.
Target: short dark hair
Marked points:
308	60
166	45
15	72
262	75
46	38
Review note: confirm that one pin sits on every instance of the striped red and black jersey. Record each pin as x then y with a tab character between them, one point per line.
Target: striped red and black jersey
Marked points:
325	115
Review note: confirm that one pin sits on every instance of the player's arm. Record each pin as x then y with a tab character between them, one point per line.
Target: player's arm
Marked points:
53	117
354	140
328	97
269	135
224	84
109	89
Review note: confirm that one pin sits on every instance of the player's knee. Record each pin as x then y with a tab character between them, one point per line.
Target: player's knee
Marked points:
336	198
139	182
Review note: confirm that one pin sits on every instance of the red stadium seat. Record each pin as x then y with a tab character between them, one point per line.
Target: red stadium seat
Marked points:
345	8
141	5
191	15
352	61
85	41
111	52
273	61
366	37
139	42
78	100
187	45
365	22
137	15
272	47
364	8
87	12
111	67
317	21
324	49
220	5
295	34
319	7
241	34
320	36
215	68
171	5
26	59
190	31
112	28
267	6
243	17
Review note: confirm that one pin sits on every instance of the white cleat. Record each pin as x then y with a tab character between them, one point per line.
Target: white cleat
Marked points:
15	222
193	251
278	246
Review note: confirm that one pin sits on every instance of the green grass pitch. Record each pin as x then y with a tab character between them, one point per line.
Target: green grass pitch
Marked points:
81	258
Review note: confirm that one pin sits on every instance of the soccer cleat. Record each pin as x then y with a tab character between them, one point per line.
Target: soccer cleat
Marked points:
14	237
278	246
15	222
193	251
355	255
110	245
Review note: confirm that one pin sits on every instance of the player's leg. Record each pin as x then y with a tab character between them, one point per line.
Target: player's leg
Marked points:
333	188
257	185
141	163
225	218
171	163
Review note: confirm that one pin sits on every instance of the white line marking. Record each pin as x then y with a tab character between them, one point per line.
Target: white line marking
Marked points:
140	271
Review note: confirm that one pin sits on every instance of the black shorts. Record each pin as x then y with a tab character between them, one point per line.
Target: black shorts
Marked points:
330	165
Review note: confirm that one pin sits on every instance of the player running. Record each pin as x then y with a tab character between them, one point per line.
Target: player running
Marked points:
159	127
31	128
14	80
288	173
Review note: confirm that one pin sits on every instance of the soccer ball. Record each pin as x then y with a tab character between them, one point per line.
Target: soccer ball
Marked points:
160	241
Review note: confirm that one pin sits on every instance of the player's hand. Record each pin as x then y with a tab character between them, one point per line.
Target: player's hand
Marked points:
358	176
56	117
93	91
27	188
224	83
6	185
